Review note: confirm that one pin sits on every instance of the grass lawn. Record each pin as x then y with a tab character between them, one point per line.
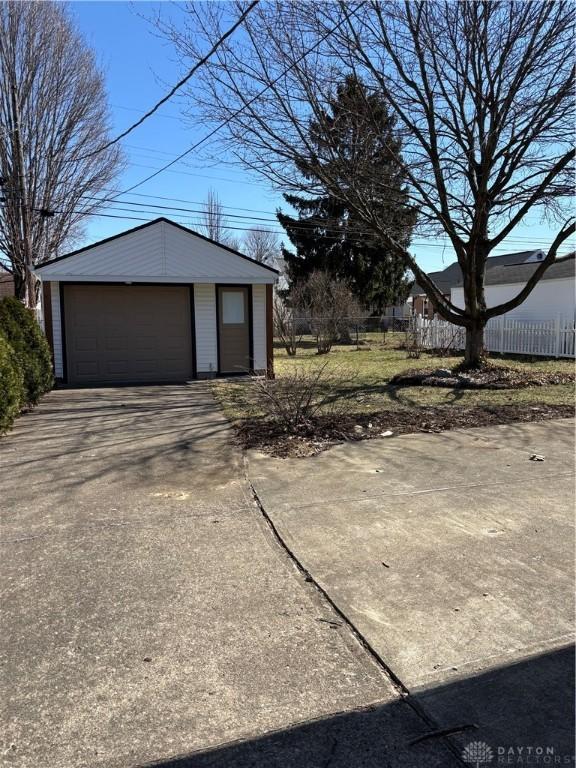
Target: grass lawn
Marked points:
360	380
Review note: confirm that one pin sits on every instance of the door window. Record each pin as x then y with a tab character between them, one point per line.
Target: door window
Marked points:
232	307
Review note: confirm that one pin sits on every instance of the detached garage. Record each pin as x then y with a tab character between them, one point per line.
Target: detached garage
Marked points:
158	303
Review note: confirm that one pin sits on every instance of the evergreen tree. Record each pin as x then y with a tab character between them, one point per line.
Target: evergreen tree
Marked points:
328	236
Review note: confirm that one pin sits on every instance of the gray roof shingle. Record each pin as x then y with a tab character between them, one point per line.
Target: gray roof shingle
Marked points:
520	273
507	268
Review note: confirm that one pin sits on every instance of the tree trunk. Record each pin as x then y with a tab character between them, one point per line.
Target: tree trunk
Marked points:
474	356
19	285
27	288
32	291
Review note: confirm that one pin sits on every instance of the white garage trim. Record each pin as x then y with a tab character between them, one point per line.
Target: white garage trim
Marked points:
259	327
205	324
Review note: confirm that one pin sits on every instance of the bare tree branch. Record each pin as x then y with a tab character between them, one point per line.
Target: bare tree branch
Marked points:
214	223
483	93
262	245
53	112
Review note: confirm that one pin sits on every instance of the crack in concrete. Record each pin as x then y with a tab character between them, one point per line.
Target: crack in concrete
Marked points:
394	680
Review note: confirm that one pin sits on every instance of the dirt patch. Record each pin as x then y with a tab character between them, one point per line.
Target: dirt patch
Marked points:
489	377
326	431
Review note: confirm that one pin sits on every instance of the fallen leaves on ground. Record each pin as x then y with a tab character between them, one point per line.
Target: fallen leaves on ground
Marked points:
327	430
488	377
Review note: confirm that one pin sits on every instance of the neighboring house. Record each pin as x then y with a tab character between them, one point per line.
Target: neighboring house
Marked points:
397	311
554	295
6	283
158	303
421	304
282	282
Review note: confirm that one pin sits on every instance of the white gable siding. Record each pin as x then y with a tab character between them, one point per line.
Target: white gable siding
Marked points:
548	300
137	253
205	327
161	253
210	262
259	326
57	330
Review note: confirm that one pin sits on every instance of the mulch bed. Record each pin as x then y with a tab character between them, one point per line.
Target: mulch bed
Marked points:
326	431
488	377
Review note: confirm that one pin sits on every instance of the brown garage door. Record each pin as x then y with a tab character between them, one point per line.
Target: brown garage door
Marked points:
132	333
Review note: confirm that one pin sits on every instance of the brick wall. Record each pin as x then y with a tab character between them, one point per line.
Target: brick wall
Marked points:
6	286
421	305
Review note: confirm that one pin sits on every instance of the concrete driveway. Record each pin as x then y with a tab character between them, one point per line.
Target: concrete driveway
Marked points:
150	616
453	556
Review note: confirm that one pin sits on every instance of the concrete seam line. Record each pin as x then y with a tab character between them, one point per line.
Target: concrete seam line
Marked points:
396	682
70	532
442	489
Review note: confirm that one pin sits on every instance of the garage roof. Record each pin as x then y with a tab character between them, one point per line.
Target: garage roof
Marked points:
158	251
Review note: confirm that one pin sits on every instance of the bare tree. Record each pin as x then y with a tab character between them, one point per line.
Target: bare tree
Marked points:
287	327
296	400
262	245
213	220
483	92
328	305
214	223
53	122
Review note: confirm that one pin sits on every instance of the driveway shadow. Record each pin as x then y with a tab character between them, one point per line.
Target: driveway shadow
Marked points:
519	712
110	440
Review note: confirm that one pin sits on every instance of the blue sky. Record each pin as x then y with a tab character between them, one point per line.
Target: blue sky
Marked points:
139	68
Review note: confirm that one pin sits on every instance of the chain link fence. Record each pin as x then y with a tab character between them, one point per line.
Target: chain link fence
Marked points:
304	332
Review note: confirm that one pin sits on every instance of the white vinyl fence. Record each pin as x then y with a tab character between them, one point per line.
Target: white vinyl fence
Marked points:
554	338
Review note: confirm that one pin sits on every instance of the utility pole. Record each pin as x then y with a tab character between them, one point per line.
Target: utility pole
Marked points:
24	224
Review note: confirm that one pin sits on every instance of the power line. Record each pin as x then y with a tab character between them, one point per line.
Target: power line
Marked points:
234	114
178	85
194	172
140	151
248	220
184	210
440	241
121	215
223	124
194	202
518	240
330	234
189	173
139	109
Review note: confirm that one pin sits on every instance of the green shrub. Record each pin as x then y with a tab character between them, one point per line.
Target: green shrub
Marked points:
12	395
22	332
